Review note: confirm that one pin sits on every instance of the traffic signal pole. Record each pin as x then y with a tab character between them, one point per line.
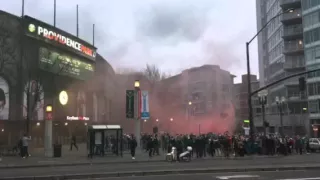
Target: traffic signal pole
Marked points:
283	79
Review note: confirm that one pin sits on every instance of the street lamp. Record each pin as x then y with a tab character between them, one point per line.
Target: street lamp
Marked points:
137	84
280	103
250	109
190	103
137	112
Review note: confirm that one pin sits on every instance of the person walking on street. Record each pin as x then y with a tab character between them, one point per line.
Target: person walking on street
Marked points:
73	143
133	145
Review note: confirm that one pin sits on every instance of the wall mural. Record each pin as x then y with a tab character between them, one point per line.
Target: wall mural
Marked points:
4	99
36	100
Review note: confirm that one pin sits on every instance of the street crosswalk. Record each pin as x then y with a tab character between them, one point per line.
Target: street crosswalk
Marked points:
259	177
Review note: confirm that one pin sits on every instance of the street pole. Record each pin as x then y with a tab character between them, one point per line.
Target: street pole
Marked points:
251	124
281	120
250	111
264	119
48	151
137	121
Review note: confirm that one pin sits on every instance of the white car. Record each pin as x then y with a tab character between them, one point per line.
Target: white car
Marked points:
314	144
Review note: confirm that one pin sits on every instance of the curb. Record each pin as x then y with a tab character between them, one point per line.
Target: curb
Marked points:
76	164
112	162
160	172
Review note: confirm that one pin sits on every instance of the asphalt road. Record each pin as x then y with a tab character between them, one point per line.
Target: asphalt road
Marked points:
153	166
276	175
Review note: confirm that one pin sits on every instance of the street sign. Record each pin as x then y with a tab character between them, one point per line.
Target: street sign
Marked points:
145	114
130	104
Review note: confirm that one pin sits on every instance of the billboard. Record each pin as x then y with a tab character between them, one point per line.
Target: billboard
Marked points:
47	33
4	99
61	64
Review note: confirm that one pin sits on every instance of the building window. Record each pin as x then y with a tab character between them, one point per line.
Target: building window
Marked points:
307	4
314	89
314	107
312	36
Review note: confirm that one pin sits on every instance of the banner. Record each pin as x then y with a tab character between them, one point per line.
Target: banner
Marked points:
145	114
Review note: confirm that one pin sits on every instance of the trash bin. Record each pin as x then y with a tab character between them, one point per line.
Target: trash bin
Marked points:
57	148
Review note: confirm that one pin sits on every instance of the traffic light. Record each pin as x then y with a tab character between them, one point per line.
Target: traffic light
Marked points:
302	83
266	124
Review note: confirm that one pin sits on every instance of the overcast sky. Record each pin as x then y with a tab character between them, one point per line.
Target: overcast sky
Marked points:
173	34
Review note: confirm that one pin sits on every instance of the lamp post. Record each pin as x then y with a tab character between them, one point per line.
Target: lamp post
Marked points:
137	113
249	73
188	114
171	120
48	151
280	103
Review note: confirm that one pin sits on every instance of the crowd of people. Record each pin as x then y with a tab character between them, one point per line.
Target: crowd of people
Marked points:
221	144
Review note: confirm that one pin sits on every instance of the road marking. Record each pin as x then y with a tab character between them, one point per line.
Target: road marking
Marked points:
237	176
314	178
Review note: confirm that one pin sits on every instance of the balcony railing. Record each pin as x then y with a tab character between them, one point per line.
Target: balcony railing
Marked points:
292	81
293	30
294	62
291	15
293	46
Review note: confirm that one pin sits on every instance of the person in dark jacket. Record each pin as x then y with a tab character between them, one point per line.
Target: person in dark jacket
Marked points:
211	147
150	146
156	145
133	145
179	146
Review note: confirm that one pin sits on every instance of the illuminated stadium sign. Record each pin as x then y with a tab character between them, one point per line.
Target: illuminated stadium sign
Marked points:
42	31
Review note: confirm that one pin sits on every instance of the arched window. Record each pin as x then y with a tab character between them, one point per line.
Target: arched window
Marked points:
34	90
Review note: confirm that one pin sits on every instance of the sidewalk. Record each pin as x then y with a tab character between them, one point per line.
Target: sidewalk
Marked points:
70	158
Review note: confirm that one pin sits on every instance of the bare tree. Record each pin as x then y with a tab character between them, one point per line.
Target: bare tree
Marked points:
154	75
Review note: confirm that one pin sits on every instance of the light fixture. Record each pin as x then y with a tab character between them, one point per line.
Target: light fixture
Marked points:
2	130
171	119
85	124
190	103
136	83
145	120
66	124
38	124
48	108
290	10
157	120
